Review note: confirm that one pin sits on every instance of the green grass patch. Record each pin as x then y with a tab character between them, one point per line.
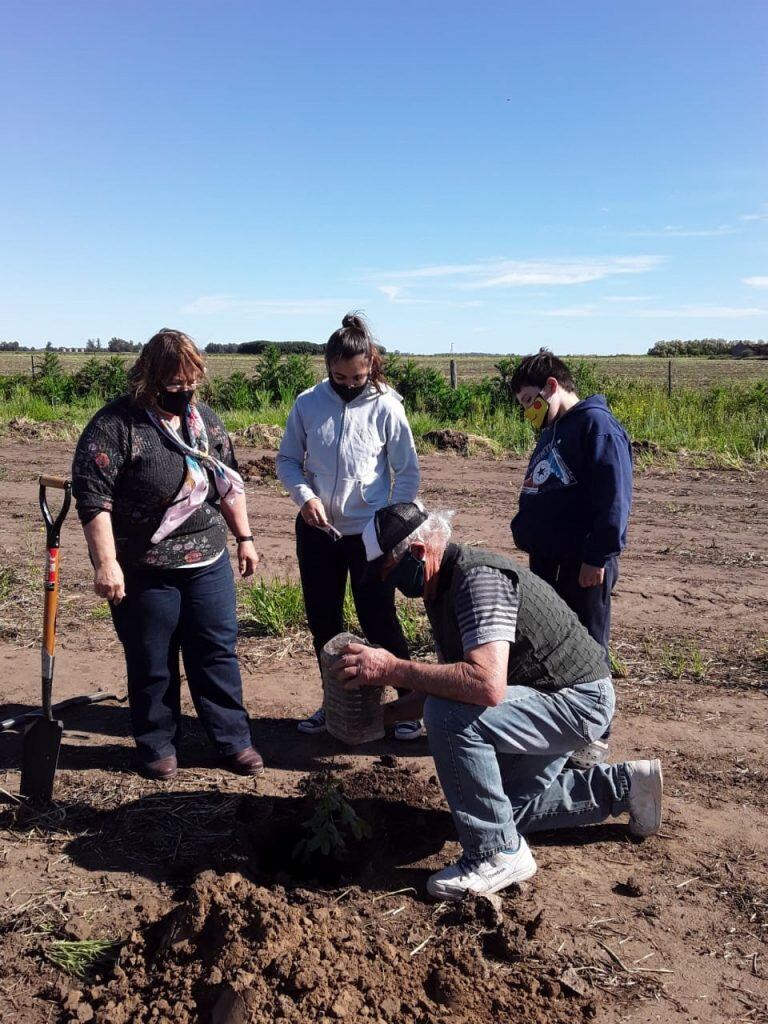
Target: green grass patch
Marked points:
8	580
619	669
679	661
274	607
81	958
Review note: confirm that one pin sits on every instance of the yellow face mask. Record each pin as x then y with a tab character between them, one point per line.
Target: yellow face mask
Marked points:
536	413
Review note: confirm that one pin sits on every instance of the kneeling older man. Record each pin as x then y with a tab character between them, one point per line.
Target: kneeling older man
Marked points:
519	686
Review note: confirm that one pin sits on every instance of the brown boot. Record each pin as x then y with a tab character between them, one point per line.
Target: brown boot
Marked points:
244	762
160	770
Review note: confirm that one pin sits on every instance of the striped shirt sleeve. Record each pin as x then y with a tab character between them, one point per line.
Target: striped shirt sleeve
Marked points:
486	608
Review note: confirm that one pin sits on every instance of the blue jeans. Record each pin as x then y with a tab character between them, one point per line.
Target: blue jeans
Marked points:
165	611
501	768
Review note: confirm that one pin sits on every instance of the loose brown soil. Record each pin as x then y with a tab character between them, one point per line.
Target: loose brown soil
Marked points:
221	923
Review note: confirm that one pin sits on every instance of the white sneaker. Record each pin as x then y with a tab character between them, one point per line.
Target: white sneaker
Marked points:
409	730
314	724
646	786
483	876
593	754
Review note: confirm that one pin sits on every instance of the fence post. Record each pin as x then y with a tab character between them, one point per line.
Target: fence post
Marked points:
454	375
33	366
669	378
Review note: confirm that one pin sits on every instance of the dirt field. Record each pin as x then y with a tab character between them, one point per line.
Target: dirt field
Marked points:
197	875
691	371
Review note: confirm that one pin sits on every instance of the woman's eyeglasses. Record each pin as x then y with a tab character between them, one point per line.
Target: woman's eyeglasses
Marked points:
175	386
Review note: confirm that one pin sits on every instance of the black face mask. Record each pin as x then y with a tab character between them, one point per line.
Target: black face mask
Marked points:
174	402
346	393
408	576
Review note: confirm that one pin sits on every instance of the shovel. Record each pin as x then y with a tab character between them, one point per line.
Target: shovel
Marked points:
42	739
12	724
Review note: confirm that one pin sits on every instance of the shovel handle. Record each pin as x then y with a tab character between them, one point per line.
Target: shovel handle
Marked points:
51	580
53	526
59	482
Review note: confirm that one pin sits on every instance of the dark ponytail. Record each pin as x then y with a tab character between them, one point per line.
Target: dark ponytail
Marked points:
354	338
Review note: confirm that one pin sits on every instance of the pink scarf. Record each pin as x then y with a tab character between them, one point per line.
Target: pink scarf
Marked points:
194	489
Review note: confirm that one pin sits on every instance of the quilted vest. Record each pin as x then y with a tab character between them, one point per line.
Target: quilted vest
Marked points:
552	649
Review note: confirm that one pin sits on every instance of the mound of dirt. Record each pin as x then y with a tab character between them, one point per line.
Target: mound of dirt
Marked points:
448	440
237	953
261	435
24	429
261	470
645	447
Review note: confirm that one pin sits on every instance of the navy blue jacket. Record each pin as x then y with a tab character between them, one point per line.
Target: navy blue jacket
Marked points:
577	492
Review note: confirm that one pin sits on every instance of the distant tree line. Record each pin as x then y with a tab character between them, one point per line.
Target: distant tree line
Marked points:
257	348
710	347
92	345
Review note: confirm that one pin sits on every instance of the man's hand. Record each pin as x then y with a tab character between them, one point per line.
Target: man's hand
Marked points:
359	665
109	581
590	575
313	513
247	558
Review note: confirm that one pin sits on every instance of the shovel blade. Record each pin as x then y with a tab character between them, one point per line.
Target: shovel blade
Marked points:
39	758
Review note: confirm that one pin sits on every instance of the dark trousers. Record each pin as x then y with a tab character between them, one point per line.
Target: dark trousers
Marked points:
324	565
592	605
192	611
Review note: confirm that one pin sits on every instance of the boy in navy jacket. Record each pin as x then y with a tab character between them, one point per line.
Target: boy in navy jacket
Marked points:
576	496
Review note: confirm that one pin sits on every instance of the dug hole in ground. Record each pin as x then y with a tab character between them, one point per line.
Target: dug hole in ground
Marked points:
219	923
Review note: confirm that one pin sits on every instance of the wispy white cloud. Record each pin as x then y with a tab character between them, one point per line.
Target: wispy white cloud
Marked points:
589	309
398	296
759	215
628	298
208	305
503	273
756	282
703	312
679	231
687	312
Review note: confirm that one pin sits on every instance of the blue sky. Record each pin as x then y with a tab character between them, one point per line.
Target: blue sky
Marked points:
497	176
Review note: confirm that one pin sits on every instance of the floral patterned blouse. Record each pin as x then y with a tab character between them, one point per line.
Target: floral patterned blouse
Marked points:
124	465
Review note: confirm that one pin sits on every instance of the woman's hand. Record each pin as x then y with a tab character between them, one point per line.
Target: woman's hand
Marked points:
590	575
359	665
313	513
247	558
109	581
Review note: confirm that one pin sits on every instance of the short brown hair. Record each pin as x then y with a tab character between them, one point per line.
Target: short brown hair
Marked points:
165	354
534	371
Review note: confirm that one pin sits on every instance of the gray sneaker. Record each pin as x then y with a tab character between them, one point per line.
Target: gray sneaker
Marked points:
646	787
593	754
314	724
406	731
483	877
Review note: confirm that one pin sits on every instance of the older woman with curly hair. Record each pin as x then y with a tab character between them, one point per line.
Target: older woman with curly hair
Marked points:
156	485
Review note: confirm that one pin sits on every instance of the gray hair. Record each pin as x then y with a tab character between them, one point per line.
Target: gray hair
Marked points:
436	529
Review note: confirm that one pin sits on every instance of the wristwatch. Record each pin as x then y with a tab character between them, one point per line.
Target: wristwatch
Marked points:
243	540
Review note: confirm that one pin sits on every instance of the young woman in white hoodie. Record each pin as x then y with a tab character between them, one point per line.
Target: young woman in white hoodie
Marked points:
347	451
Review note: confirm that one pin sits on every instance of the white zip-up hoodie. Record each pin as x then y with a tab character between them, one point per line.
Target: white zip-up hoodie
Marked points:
347	453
